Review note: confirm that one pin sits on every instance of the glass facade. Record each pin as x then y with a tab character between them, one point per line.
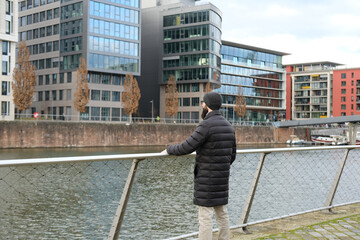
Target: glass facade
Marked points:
257	75
104	32
191	53
251	57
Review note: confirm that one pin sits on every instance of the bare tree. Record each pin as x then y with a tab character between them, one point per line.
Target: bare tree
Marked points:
24	79
81	96
171	97
207	87
240	103
131	95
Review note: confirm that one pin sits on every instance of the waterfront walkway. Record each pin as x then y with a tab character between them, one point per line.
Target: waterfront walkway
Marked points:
343	223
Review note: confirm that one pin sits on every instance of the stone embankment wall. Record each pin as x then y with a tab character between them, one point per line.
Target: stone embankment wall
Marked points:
27	134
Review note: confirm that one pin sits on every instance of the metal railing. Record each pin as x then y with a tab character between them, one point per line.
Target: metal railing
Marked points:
125	120
76	197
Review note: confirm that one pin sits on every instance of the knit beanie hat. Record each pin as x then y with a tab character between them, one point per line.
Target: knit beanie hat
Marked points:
213	100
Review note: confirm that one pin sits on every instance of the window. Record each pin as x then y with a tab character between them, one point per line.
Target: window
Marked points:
5	47
48	46
115	114
48	63
116	96
4	67
61	77
68	94
343	107
56	29
41	77
343	75
195	87
105	114
49	14
352	75
54	95
35	33
47	79
69	77
343	83
5	108
105	96
95	95
116	80
343	91
195	101
8	7
42	32
7	27
352	83
343	99
36	18
35	49
55	45
49	31
95	113
54	78
105	79
40	96
5	88
47	95
42	48
61	94
186	102
42	16
56	12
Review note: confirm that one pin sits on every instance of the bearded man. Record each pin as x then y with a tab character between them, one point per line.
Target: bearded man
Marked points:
215	146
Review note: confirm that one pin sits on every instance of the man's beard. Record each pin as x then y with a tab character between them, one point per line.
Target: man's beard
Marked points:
204	112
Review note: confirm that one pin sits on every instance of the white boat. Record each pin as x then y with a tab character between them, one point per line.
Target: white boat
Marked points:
332	139
294	140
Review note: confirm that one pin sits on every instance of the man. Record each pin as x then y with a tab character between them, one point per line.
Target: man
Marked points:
215	145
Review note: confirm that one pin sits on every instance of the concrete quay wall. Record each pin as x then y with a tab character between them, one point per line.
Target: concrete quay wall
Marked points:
29	134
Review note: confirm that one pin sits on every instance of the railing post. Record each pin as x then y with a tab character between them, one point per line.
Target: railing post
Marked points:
120	212
249	200
334	187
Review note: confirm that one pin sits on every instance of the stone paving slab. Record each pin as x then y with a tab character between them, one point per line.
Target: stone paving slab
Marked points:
343	223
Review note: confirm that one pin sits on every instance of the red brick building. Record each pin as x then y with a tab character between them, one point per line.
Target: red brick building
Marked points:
346	92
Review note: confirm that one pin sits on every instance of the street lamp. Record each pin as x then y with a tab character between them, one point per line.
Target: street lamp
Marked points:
152	110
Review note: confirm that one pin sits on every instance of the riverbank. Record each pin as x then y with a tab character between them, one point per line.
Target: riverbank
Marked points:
32	134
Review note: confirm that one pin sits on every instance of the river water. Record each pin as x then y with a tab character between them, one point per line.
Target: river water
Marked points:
78	201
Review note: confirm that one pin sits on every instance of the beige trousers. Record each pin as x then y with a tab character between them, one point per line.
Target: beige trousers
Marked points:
205	221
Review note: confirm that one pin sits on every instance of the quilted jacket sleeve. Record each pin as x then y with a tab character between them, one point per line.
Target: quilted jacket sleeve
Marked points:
192	143
233	155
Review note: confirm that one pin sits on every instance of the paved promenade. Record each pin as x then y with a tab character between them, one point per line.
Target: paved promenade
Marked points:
343	223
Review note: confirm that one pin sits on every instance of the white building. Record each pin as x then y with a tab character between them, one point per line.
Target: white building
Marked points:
8	40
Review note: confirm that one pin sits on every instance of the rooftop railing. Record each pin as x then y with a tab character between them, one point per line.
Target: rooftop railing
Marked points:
149	196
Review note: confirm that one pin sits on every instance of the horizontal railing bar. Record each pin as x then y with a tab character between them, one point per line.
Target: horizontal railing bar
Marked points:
32	161
265	220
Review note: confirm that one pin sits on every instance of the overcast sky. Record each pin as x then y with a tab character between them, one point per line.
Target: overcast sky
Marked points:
310	30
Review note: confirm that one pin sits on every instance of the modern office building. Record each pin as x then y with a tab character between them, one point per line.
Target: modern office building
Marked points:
260	74
180	38
346	92
8	40
310	90
105	33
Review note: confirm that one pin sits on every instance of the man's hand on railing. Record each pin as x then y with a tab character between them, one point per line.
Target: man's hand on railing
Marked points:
164	151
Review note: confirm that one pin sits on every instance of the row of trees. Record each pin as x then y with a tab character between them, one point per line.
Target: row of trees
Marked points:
25	81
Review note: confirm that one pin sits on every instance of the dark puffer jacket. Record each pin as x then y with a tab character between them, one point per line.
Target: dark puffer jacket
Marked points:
215	145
